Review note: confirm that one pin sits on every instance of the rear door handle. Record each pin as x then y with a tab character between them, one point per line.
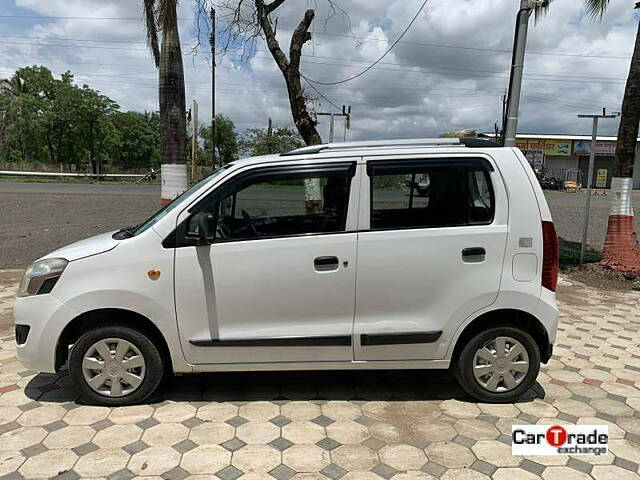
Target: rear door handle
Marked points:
473	255
325	264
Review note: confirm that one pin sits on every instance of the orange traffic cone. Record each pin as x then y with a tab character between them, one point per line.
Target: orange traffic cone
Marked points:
621	250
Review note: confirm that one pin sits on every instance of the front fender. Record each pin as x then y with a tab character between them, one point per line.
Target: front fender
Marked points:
156	313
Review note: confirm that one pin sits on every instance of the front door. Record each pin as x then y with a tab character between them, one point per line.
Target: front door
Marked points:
278	282
430	253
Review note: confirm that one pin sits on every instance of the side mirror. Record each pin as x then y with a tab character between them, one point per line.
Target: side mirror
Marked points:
206	227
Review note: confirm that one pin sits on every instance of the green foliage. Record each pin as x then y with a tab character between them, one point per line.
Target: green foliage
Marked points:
53	121
137	140
257	141
570	254
226	141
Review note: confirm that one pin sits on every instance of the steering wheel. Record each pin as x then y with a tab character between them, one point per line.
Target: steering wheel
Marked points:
247	218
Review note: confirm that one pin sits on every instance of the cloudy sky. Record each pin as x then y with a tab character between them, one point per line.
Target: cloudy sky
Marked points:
448	72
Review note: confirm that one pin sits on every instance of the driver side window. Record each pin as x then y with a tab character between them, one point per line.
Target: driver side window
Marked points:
285	204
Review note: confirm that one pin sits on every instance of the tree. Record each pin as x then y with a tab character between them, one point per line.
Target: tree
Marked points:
161	17
226	142
26	93
94	109
248	20
621	250
258	141
50	120
137	140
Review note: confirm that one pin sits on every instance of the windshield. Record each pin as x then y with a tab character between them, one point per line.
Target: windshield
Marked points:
174	203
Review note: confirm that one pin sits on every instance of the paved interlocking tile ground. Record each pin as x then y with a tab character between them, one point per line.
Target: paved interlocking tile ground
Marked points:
350	425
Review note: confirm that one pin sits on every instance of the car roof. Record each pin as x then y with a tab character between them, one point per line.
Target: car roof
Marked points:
368	147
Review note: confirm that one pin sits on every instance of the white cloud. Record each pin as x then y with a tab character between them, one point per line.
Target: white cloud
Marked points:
421	88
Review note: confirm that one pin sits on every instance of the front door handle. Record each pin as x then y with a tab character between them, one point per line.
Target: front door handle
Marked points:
473	255
325	264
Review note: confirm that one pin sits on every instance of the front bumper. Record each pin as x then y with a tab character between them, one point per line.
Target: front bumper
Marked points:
45	316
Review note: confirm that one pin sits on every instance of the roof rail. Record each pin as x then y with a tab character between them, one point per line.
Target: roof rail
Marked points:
409	142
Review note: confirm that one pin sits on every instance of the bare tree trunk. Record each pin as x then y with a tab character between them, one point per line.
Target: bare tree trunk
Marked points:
291	68
92	153
621	251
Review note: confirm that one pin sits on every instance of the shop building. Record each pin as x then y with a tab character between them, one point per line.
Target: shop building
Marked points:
567	156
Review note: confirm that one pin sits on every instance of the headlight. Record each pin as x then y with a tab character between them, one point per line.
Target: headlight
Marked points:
41	276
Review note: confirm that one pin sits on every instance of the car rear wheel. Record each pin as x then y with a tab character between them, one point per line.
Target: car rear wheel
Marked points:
115	365
498	365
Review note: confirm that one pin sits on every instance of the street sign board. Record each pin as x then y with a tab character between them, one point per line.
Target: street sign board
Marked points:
547	146
603	148
534	157
601	178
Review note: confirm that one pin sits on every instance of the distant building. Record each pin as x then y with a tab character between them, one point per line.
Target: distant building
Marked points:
567	156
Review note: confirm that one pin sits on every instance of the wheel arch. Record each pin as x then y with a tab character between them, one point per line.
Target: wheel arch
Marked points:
103	317
507	317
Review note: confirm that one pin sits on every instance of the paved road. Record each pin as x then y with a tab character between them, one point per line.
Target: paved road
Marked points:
40	217
37	218
567	210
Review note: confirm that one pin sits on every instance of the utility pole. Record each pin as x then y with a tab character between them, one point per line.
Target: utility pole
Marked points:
194	139
331	128
517	65
212	41
503	120
592	157
346	113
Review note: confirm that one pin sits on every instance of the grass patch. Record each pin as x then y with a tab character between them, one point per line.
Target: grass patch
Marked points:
570	254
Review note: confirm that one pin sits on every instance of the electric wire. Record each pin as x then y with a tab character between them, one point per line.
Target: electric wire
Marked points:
386	52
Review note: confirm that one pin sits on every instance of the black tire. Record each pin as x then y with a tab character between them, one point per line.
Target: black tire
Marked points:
154	365
463	369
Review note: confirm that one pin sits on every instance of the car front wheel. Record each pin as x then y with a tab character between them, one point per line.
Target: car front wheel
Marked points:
115	365
498	365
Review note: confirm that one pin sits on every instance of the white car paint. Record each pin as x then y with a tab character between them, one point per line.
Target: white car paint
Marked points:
395	281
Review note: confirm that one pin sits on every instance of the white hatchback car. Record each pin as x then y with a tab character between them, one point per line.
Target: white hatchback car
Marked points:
321	258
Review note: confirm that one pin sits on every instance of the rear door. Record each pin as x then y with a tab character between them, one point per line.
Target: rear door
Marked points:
430	253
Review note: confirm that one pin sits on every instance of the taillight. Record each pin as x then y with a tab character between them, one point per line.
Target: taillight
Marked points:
549	256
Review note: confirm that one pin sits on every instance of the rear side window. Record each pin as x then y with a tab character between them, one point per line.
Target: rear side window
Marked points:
430	194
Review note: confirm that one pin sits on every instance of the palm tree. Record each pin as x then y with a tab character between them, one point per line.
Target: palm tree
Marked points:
621	251
161	18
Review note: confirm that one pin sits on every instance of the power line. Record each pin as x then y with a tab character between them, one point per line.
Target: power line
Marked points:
320	93
329	34
359	99
475	49
315	33
586	79
379	58
436	45
383	90
55	17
